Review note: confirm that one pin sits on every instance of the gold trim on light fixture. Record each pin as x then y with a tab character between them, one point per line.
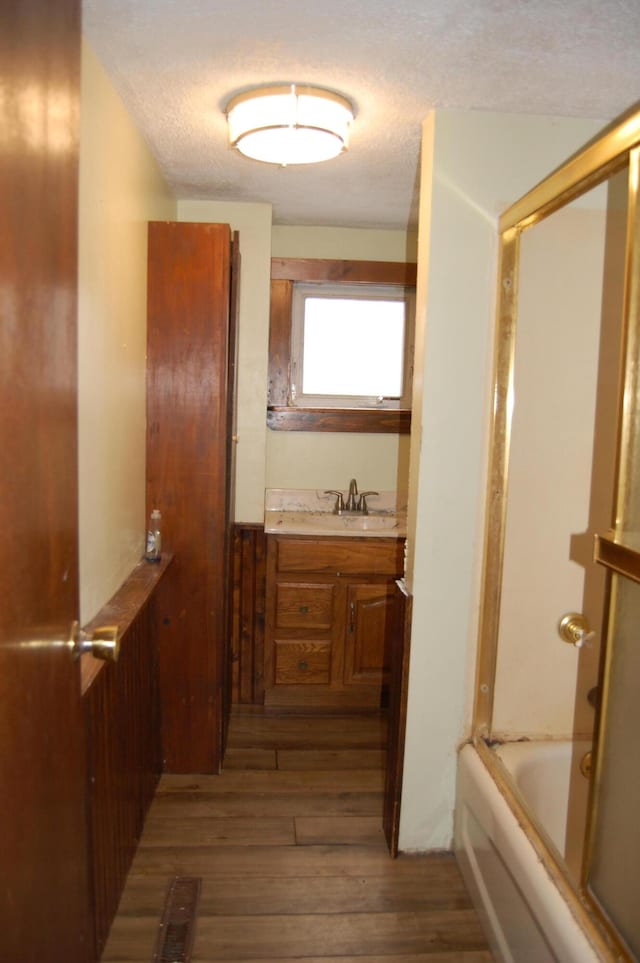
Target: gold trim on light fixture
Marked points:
289	124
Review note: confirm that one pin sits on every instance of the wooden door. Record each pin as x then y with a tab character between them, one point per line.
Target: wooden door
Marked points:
44	906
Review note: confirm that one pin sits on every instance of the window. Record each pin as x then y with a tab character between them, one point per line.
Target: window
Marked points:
340	345
351	346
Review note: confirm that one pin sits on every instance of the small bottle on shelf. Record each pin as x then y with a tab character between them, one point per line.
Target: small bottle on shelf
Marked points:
154	537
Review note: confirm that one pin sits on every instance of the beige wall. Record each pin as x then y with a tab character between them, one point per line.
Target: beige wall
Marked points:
120	189
549	494
253	221
473	165
281	459
357	244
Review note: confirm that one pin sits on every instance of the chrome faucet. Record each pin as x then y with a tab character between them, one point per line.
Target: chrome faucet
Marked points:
339	506
363	508
356	503
351	505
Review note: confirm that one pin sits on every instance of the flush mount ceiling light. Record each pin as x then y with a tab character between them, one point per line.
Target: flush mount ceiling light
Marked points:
289	124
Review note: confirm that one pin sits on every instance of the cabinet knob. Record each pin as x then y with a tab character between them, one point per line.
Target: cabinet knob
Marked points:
303	665
304	609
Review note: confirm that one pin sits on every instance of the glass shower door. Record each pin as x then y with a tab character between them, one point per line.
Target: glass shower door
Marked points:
611	875
613	869
602	880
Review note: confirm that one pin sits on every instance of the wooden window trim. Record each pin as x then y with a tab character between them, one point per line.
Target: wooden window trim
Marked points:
280	415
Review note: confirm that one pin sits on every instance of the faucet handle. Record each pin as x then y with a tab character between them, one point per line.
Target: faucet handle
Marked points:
362	502
339	505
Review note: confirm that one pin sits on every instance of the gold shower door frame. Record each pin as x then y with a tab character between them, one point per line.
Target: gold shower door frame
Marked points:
618	550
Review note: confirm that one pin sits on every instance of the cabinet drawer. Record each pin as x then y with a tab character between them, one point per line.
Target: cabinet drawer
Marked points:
341	556
300	663
301	605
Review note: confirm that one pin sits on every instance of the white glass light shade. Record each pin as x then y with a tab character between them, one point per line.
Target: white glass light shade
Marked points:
289	124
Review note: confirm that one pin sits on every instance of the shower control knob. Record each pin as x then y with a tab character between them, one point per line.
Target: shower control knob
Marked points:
573	628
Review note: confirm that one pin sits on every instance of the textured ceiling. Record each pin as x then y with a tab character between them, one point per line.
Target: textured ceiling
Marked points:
176	63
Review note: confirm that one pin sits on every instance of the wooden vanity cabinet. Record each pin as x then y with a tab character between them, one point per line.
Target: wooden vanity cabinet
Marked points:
331	619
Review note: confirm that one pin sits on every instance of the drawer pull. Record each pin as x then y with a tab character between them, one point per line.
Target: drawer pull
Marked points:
303	665
304	609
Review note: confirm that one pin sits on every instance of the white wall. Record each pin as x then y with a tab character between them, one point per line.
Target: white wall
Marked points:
253	221
473	166
120	189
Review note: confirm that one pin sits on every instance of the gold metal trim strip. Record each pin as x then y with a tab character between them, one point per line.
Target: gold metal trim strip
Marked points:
608	549
495	512
616	557
255	130
579	173
629	401
277	90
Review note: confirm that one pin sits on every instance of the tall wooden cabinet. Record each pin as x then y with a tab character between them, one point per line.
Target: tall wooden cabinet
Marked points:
192	272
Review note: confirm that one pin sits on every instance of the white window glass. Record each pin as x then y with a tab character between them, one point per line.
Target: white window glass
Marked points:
353	347
350	346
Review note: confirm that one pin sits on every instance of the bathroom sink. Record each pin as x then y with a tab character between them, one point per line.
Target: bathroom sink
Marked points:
303	511
327	523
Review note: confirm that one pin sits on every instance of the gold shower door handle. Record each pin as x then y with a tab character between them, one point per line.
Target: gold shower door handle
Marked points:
102	643
573	628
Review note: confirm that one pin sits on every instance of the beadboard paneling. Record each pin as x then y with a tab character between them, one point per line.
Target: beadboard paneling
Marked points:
249	588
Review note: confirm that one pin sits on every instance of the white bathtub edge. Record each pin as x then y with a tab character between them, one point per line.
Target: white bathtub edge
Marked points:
479	797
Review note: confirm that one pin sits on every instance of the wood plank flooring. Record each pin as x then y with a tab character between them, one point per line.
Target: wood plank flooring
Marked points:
288	842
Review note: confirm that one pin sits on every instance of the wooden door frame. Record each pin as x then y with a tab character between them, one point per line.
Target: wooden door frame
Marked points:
398	695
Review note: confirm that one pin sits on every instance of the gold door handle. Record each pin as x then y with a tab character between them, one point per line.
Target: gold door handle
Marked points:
102	643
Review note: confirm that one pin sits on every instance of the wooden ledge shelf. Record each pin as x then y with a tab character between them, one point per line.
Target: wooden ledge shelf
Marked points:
389	421
122	610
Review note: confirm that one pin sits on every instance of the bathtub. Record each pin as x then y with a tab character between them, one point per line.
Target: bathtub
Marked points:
522	900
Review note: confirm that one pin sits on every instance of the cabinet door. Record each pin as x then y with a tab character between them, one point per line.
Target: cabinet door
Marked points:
369	634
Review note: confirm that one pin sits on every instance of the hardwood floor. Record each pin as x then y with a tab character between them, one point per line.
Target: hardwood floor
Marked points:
294	866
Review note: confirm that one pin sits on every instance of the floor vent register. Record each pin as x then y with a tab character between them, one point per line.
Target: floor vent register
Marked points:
178	923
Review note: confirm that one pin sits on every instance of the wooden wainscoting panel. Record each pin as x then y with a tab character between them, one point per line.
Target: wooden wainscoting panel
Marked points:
122	714
249	593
